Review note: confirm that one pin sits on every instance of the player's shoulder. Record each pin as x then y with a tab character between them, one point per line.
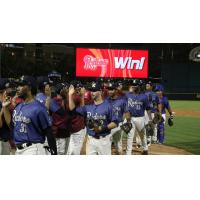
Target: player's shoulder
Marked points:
143	95
38	105
127	94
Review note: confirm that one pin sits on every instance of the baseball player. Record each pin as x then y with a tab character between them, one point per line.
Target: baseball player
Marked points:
78	130
31	122
155	106
5	132
136	138
163	100
61	124
137	104
119	87
100	120
119	105
46	95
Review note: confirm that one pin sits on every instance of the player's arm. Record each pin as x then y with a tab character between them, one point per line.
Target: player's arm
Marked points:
51	140
112	125
44	123
71	101
168	107
127	116
6	112
82	102
48	99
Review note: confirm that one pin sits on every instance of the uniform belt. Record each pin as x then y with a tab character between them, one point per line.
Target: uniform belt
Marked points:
98	136
24	145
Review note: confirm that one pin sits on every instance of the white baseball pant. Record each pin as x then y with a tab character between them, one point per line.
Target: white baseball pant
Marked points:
100	146
34	149
62	145
138	125
76	142
116	137
5	148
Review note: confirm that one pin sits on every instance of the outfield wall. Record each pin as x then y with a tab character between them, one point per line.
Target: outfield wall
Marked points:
182	81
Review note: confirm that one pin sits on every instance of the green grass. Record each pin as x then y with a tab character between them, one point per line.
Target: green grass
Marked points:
185	105
185	133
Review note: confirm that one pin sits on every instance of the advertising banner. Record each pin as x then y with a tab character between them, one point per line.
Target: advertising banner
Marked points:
111	63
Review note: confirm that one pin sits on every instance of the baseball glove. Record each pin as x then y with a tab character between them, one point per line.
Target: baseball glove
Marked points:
94	123
157	118
170	122
126	127
149	129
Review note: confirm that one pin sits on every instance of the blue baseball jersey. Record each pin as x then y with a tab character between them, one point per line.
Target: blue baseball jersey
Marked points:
153	100
119	106
137	104
102	112
29	121
165	104
41	97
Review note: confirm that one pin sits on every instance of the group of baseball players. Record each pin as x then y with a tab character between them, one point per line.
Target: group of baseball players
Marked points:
48	116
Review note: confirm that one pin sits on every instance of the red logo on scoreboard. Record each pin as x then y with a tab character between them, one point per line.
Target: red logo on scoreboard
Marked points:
111	63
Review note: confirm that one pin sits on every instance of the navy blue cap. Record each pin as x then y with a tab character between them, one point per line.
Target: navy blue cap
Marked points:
28	80
159	87
95	86
150	83
112	86
134	82
42	81
119	83
54	74
76	84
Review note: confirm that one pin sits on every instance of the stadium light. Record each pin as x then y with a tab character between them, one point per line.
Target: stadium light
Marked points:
194	54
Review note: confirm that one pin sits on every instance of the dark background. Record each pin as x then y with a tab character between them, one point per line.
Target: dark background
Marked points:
171	64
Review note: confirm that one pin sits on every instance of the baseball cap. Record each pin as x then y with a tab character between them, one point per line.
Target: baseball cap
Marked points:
119	83
159	88
76	84
94	87
28	80
111	86
54	74
134	82
42	81
150	83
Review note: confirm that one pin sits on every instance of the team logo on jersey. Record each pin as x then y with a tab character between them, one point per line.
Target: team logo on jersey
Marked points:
96	116
132	103
92	63
20	118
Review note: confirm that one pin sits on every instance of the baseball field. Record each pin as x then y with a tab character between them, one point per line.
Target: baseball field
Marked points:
185	133
183	138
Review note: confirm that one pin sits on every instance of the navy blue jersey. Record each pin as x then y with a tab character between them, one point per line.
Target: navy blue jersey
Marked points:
137	104
119	106
153	100
41	97
102	112
5	132
29	121
165	104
